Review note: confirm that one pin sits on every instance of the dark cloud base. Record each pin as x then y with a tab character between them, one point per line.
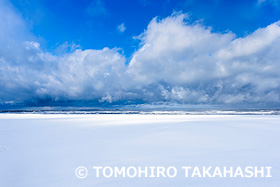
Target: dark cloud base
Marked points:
39	104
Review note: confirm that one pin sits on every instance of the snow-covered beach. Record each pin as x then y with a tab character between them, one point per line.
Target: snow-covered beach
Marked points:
45	150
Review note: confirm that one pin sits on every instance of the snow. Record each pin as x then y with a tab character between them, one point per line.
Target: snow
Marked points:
45	149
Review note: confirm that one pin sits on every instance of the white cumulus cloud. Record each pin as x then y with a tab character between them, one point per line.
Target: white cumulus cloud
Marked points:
192	63
121	27
177	61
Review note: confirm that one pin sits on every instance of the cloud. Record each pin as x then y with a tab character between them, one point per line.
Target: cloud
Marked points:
190	63
177	62
173	47
97	8
274	3
78	75
12	26
66	47
121	27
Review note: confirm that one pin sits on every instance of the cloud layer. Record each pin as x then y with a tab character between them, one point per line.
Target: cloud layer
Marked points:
189	63
177	62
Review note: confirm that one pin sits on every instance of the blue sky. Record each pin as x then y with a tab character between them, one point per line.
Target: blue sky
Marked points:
93	24
101	52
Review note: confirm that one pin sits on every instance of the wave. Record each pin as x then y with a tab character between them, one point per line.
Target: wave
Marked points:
150	112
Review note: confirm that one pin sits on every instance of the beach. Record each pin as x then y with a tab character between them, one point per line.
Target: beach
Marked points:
47	149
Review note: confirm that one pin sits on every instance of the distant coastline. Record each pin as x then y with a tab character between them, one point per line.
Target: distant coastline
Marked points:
152	112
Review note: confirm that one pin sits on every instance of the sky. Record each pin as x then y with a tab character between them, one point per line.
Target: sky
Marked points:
104	53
